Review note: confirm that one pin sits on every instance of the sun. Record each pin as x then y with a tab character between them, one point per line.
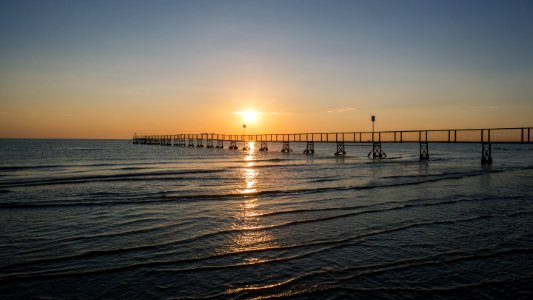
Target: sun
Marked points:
249	116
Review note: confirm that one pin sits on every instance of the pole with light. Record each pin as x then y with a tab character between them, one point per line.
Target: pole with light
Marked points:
373	121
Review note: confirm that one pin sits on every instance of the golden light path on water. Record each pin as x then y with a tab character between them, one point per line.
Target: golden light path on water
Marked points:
250	236
248	221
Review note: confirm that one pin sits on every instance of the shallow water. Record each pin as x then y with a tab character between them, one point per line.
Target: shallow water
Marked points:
108	219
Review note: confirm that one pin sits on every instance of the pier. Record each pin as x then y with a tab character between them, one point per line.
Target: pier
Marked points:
375	140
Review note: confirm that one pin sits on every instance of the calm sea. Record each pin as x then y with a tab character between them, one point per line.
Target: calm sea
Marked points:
93	219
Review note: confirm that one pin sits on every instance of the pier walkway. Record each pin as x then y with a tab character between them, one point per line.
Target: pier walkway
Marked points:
484	137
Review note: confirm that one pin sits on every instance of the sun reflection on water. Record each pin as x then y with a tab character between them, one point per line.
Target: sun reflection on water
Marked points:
247	220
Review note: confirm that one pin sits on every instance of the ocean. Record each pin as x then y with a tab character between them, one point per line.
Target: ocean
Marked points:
102	219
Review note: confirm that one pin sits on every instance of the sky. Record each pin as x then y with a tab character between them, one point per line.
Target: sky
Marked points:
109	69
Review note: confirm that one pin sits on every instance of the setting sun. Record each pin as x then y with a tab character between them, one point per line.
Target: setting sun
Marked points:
249	116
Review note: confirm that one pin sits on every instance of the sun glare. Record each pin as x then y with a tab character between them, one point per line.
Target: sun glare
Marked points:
249	116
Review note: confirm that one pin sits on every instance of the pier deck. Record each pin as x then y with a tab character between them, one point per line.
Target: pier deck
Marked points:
485	137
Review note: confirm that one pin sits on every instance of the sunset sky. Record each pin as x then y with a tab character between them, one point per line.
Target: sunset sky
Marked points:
107	69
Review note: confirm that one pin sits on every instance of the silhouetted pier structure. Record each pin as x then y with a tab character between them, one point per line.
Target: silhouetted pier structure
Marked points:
485	137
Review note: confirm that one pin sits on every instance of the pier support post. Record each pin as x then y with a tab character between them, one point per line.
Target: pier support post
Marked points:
286	147
264	146
209	143
486	153
377	152
220	144
424	150
191	142
340	149
376	147
246	146
310	149
199	142
424	146
233	145
486	148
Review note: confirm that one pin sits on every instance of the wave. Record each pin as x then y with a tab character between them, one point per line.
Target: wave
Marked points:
237	231
338	287
407	203
166	197
22	168
434	260
352	273
328	245
56	166
115	177
87	149
329	179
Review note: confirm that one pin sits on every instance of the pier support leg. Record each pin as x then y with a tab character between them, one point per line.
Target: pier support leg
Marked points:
424	151
486	153
233	145
286	147
191	143
209	143
340	149
199	143
310	149
220	144
246	146
264	146
377	152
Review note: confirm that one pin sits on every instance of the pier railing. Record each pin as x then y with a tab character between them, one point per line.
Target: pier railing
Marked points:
492	135
485	137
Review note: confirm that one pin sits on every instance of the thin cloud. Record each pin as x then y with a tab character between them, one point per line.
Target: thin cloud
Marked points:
276	113
340	110
264	113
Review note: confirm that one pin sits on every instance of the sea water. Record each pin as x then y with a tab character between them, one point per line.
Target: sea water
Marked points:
109	219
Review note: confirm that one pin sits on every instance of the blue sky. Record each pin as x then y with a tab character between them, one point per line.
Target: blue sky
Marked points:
65	62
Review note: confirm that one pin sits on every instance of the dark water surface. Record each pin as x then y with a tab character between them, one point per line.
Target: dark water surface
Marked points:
108	219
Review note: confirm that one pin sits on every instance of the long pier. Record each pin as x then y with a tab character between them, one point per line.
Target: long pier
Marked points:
484	137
